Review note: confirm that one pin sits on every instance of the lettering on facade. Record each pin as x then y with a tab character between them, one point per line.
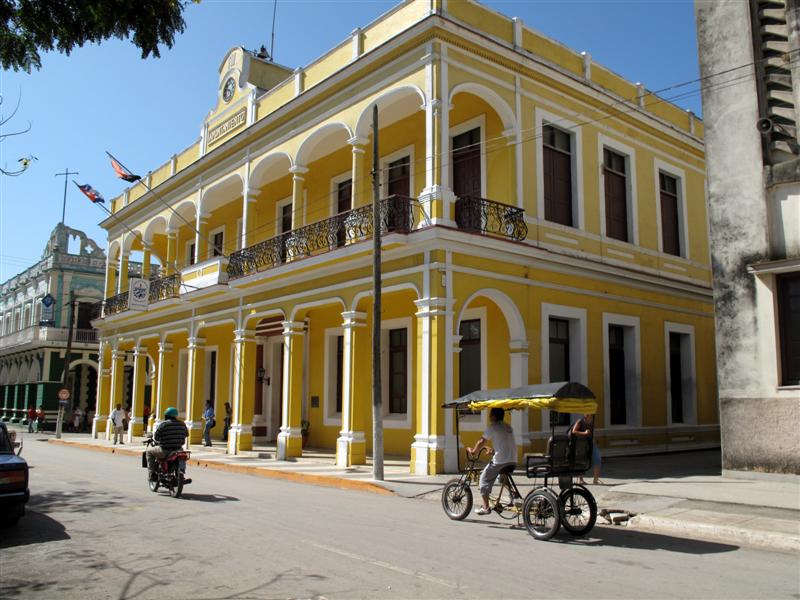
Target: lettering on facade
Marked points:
237	120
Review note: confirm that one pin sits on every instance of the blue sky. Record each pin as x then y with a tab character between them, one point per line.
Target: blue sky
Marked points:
105	97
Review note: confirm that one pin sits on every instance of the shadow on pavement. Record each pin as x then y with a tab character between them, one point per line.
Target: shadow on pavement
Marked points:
208	497
657	466
620	537
84	500
33	528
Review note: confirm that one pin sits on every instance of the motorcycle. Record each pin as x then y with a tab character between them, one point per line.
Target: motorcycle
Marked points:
170	471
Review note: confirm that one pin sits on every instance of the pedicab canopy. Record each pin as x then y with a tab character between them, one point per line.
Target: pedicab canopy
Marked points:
566	397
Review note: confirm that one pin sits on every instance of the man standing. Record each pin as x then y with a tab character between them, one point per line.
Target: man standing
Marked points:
118	423
208	416
31	418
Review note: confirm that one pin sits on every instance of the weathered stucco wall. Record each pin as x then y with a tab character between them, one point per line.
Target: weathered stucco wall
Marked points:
757	422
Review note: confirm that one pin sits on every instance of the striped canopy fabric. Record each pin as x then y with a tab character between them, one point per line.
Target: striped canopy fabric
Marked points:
566	397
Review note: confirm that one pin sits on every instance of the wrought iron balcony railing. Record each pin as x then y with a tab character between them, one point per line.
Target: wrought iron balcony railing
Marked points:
116	304
488	217
345	228
165	287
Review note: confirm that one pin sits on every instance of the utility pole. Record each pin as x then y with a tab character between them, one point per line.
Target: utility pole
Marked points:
67	355
377	407
66	175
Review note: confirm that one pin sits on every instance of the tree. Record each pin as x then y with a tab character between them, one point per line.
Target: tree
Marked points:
23	162
30	26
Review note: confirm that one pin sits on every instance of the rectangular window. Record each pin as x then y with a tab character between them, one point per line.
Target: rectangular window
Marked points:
789	327
616	192
616	374
399	177
467	163
557	171
218	241
286	218
469	359
670	232
676	375
398	375
339	371
559	357
190	259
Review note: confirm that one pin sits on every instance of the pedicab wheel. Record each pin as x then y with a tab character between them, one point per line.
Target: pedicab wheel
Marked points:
578	510
176	489
456	499
541	514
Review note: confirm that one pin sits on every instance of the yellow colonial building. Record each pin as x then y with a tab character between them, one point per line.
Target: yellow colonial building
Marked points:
543	220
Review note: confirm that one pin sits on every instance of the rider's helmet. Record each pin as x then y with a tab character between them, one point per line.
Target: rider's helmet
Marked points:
171	413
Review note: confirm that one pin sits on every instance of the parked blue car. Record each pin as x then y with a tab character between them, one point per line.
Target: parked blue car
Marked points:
14	492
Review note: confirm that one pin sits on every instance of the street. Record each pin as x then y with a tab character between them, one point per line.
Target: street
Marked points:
94	530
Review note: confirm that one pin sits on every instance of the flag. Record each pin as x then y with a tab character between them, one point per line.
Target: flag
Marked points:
91	193
122	172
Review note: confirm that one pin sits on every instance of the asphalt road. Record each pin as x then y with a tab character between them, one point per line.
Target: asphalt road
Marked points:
94	530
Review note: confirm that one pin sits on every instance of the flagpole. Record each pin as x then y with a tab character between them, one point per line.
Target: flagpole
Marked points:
66	174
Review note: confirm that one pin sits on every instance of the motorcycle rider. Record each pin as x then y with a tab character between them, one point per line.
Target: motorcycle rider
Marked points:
170	435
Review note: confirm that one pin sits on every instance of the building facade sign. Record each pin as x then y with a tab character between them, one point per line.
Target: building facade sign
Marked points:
224	128
139	294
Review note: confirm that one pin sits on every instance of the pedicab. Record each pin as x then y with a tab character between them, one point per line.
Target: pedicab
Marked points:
544	509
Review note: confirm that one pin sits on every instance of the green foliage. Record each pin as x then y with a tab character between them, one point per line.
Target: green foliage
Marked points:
30	26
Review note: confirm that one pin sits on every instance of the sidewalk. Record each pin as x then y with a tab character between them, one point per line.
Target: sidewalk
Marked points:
682	494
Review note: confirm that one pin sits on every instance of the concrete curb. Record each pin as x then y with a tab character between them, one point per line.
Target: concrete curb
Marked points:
721	533
293	476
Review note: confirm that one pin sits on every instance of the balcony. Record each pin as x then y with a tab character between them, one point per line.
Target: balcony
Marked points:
397	216
161	288
205	275
44	335
487	217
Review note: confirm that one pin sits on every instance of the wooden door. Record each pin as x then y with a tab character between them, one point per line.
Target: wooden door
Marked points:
467	163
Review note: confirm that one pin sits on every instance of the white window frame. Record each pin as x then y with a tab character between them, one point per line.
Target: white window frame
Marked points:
335	181
330	416
397	420
455	130
631	199
278	214
633	370
475	422
688	359
407	151
210	240
542	118
188	253
659	166
579	369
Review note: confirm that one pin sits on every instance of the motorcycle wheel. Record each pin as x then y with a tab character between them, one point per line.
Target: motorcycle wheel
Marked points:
153	484
176	489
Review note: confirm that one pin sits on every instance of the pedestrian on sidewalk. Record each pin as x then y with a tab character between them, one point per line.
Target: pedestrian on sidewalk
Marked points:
77	416
145	417
118	423
31	418
39	418
584	427
226	423
208	416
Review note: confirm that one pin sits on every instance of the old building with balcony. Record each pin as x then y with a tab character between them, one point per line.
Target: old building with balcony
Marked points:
543	220
34	322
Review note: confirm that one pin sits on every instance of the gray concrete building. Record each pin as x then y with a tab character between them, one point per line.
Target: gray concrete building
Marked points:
750	64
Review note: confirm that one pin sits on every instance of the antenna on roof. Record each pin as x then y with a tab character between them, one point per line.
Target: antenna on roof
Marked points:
272	44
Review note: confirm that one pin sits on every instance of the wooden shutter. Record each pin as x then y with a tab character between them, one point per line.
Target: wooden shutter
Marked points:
557	163
670	234
616	191
467	163
400	177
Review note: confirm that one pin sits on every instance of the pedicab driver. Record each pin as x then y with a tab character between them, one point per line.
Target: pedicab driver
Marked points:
505	454
170	435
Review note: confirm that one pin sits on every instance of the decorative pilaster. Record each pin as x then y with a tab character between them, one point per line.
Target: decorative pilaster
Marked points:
135	425
358	195
165	382
172	246
240	435
195	388
298	197
117	386
428	449
290	441
351	446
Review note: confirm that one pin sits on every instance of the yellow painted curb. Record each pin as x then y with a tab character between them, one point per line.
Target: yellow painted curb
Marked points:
320	480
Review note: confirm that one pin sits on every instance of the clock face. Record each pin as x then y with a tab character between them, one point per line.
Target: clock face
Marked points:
227	91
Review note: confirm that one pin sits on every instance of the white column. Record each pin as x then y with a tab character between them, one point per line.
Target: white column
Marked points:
518	358
348	436
137	397
248	201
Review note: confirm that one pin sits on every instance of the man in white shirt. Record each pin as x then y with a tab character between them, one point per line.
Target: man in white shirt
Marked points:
118	422
505	454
